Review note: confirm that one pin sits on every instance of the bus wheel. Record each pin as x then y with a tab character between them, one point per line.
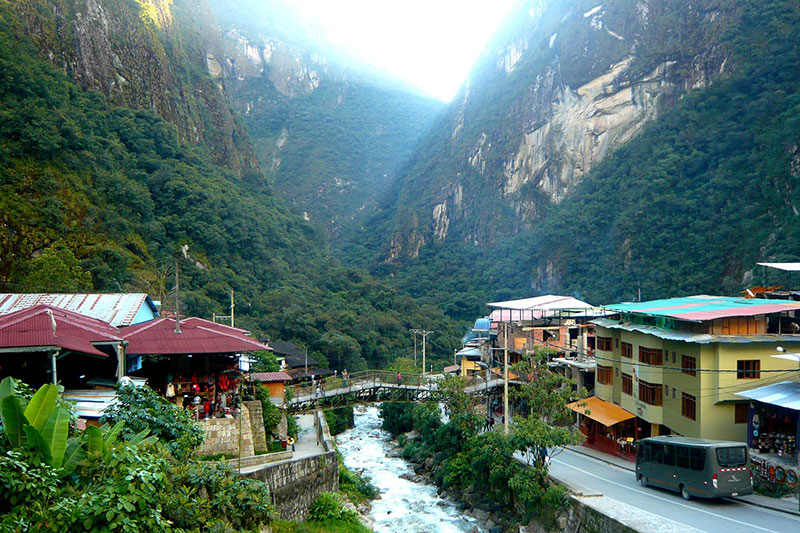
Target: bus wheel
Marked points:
643	481
685	492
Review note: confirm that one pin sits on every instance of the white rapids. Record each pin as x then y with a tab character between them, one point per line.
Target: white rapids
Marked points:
404	506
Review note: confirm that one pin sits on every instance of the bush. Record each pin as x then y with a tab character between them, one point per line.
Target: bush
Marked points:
339	419
397	417
141	408
356	487
329	507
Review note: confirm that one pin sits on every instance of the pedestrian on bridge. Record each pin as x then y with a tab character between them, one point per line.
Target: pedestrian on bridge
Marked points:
345	375
399	379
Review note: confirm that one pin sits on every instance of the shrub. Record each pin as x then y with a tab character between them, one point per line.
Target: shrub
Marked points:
141	408
357	488
329	507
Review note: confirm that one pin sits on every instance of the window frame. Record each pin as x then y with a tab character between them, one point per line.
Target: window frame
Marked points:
688	406
748	369
688	365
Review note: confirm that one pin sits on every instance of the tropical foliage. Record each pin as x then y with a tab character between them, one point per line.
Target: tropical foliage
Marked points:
100	479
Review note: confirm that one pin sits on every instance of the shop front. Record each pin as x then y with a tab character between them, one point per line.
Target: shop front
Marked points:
608	427
193	363
773	432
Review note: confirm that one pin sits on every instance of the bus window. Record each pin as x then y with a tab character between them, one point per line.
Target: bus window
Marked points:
658	453
731	457
645	452
681	456
698	458
669	455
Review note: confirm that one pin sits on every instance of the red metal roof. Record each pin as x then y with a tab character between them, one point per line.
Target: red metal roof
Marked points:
120	309
196	336
271	377
44	326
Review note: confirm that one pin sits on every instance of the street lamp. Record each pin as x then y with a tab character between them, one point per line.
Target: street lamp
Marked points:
791	357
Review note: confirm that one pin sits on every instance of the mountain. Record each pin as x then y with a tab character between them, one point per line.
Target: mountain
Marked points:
331	133
600	148
121	159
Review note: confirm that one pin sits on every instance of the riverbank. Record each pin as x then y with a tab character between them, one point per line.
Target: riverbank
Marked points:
404	505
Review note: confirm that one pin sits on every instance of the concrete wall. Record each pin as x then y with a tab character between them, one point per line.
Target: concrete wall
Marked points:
294	485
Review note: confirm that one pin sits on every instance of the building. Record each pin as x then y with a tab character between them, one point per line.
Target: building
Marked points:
274	382
119	310
677	364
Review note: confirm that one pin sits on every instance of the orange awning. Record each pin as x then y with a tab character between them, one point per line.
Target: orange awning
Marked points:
602	411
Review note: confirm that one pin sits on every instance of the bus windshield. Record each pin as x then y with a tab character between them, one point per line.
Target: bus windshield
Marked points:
730	457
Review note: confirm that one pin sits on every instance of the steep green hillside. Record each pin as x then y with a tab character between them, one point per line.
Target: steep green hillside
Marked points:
330	132
100	196
687	205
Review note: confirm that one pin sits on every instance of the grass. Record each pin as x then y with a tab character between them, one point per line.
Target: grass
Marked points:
328	526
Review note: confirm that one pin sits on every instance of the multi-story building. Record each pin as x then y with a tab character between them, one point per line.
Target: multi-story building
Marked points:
676	364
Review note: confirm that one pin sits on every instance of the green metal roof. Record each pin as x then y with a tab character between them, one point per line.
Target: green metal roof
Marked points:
703	307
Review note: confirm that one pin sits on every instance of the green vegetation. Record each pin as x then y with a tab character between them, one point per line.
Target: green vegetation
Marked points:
329	506
142	409
339	419
89	190
356	487
327	526
100	479
688	206
466	458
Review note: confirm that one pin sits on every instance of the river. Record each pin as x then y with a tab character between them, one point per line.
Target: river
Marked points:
404	506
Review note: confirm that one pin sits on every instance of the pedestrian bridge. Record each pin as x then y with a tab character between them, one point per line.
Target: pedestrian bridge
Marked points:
372	386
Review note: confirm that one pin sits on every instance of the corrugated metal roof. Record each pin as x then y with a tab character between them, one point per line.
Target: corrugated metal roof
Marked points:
91	403
197	336
789	267
116	309
699	338
784	394
549	301
703	307
270	377
45	326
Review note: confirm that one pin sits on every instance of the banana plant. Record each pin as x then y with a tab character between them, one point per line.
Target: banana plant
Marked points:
41	426
100	441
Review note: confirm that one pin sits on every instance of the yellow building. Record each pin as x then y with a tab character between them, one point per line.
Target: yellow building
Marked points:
677	363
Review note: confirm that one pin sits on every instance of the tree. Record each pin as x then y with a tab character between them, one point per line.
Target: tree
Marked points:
56	270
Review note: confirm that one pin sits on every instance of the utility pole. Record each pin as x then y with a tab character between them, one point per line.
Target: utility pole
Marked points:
415	332
177	299
505	377
424	334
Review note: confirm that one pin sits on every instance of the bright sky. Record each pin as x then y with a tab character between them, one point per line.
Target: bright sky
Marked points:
432	44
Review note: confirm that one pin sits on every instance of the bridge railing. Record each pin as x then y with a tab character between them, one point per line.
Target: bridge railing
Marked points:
358	380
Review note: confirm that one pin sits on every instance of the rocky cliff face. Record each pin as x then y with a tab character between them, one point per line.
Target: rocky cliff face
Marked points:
141	55
329	134
562	86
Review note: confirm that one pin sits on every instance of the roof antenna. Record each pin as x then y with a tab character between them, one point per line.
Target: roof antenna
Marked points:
177	299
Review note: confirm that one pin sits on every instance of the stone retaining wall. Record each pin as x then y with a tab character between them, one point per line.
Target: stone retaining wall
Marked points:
294	485
264	459
222	435
257	425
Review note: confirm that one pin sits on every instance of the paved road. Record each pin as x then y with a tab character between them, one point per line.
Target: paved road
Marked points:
650	509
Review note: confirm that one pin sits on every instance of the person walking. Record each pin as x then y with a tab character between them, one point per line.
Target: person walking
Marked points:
399	379
291	442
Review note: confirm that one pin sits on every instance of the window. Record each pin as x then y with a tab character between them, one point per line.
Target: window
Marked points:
627	350
627	384
604	343
616	342
732	457
688	365
650	393
669	454
673	358
689	406
649	356
674	393
697	458
658	453
645	452
681	456
748	369
741	414
604	375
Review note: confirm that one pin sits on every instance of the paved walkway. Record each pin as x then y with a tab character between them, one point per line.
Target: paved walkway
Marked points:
785	505
306	444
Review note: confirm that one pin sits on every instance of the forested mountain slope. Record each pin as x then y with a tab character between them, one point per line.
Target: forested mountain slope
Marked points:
107	189
599	148
330	132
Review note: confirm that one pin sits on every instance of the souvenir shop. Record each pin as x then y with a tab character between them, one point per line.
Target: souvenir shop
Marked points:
772	433
194	364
